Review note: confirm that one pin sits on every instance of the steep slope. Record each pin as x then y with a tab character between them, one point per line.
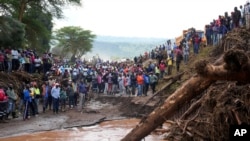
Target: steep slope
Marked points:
205	106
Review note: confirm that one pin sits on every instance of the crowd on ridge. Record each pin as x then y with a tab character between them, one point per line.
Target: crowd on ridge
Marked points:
110	78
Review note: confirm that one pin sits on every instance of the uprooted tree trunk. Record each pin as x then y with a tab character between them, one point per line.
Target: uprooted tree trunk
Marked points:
236	67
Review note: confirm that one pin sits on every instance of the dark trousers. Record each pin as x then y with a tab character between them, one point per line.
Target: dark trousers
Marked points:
75	98
153	87
26	109
32	107
71	100
50	101
55	104
15	64
145	89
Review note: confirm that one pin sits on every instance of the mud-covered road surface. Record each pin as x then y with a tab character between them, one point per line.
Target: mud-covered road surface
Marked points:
99	109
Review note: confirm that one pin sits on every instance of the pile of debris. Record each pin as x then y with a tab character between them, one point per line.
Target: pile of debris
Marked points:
205	106
224	103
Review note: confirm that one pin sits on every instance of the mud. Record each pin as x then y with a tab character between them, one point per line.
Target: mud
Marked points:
110	130
102	108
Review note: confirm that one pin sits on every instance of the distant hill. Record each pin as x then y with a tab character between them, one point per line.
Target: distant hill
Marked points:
109	47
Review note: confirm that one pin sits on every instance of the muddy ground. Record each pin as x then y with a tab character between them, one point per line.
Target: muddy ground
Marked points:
101	108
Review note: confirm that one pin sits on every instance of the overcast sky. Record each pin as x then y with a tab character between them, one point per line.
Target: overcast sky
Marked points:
144	18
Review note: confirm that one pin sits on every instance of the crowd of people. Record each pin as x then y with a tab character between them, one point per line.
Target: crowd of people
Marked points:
129	78
239	17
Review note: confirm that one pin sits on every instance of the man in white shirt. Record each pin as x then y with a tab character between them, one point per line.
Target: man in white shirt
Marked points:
55	93
15	62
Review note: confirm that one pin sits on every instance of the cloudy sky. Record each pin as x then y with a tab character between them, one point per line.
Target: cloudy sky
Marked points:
144	18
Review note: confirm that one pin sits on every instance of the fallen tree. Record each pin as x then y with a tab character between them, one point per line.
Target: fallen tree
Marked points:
173	80
235	67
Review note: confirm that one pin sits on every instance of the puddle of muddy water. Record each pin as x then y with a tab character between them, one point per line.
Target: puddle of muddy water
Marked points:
107	131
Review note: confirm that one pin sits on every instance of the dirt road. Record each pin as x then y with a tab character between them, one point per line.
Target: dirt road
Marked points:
97	110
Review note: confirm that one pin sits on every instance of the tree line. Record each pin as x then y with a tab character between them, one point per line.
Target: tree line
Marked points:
28	24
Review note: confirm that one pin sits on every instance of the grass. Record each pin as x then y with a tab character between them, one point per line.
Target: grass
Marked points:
188	69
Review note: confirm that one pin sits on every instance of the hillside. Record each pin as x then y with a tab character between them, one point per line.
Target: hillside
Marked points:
213	95
109	47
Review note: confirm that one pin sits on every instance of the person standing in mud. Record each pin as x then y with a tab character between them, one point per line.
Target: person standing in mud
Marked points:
34	106
63	97
115	82
21	99
133	83
82	90
153	81
45	95
55	93
37	96
3	106
105	81
110	83
146	83
27	102
140	81
70	93
99	82
121	86
12	101
76	94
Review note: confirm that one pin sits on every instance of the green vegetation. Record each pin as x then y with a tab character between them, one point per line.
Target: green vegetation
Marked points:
36	16
11	32
73	41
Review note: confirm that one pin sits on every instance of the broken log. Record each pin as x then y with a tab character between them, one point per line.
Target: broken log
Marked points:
188	90
236	67
236	64
173	80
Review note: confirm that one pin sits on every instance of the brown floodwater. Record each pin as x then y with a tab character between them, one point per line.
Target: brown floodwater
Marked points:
113	130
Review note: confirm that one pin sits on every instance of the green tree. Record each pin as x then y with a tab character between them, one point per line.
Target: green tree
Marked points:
11	32
18	8
74	40
37	16
38	29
